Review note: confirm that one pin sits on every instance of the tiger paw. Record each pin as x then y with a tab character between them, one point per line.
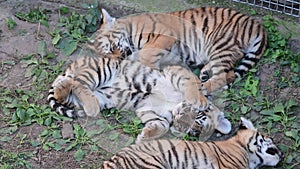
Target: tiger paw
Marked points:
153	130
144	135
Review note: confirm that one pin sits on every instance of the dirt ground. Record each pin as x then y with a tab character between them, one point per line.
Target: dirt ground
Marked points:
14	46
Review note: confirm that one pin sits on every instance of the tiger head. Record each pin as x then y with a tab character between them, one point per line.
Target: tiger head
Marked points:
110	39
198	123
262	151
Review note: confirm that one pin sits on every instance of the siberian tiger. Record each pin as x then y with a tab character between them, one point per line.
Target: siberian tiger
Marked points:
249	149
91	84
215	39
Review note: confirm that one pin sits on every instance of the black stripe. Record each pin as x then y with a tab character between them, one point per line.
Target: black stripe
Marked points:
204	28
174	153
140	37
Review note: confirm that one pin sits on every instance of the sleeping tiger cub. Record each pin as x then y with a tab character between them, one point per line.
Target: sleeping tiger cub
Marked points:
91	84
249	149
215	39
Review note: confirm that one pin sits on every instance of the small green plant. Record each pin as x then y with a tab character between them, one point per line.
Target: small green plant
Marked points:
26	113
10	160
40	67
22	32
280	113
11	24
132	126
278	50
82	137
74	28
34	16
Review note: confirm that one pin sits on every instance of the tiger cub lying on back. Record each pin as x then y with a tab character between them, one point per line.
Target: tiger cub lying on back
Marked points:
249	149
215	38
92	84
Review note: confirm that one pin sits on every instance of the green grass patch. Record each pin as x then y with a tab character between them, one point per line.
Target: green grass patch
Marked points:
9	160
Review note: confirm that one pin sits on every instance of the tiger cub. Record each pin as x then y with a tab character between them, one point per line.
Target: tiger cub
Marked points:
248	149
91	84
215	39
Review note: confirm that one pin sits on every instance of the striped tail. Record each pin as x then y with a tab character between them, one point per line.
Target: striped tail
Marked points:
252	55
63	109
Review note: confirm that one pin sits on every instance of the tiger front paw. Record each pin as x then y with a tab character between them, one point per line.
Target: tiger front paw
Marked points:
153	130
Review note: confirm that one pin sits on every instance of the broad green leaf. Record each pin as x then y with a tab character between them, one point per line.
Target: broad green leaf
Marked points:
74	144
76	126
35	143
291	103
44	22
85	5
44	133
56	134
51	56
289	159
42	49
46	147
48	121
94	147
293	134
55	146
276	117
40	121
279	107
244	109
80	154
21	114
56	39
64	10
68	46
30	112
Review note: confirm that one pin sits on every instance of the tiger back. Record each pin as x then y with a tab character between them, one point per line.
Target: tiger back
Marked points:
214	39
248	149
92	84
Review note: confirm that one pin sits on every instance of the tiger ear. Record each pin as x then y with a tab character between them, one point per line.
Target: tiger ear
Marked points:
224	125
106	18
246	124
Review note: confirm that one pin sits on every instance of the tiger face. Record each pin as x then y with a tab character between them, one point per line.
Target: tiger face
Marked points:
108	44
264	147
263	151
200	124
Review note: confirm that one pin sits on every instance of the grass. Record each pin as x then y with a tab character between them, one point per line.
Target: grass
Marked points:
10	160
26	106
11	24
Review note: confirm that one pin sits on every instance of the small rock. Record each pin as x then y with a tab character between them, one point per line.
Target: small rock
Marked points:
67	131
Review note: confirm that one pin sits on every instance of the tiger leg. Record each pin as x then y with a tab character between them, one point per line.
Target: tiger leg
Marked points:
189	84
215	78
88	100
155	126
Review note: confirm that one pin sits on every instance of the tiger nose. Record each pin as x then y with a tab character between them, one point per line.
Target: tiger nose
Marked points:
281	155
